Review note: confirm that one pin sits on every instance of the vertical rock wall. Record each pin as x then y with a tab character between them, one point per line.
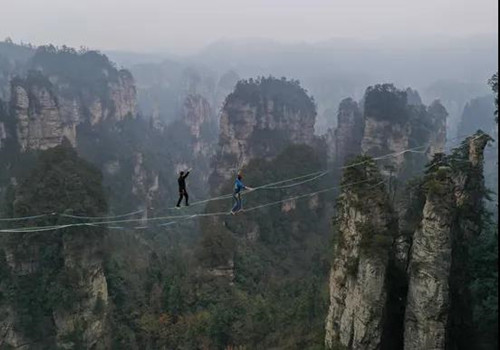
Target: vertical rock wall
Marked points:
358	291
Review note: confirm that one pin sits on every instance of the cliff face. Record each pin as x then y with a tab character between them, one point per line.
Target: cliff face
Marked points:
392	121
88	314
438	311
395	121
55	289
427	279
258	120
197	114
345	141
40	123
119	102
437	139
383	137
428	299
124	96
81	313
51	101
145	183
469	193
358	288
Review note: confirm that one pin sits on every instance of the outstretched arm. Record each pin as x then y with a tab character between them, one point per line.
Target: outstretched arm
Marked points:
187	172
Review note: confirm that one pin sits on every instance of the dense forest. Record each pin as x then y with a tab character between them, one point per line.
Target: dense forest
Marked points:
393	247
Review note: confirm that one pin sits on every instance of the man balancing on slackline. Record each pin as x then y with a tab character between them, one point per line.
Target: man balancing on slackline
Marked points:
238	187
182	188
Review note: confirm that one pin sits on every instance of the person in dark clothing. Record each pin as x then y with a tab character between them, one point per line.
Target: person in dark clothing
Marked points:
182	188
238	187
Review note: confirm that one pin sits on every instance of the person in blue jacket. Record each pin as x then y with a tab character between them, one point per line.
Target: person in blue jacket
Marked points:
238	187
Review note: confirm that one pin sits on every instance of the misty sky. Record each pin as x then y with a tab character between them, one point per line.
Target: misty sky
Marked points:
187	25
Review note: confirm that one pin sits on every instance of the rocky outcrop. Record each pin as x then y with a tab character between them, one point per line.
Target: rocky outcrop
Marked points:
345	141
197	114
428	299
438	313
45	113
396	121
145	183
392	122
358	291
83	301
124	96
427	272
437	139
53	285
88	315
40	123
386	137
258	120
468	181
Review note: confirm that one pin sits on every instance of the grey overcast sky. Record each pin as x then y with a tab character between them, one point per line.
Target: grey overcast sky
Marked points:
186	25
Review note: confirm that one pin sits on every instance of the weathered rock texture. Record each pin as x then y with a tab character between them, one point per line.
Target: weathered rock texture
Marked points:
395	121
358	291
257	122
45	114
145	183
265	121
437	139
428	300
426	263
90	311
53	286
469	194
438	314
83	269
197	114
40	123
345	141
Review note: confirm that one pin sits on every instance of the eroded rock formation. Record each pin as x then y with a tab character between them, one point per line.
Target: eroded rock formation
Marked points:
358	291
258	120
396	121
428	299
345	141
197	114
54	285
427	270
45	113
390	121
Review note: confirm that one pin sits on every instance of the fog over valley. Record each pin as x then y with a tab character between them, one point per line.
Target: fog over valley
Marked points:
239	175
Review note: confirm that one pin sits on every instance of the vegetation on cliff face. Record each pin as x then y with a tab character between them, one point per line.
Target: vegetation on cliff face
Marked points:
454	186
473	276
279	257
282	92
256	280
386	102
365	227
37	282
81	73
